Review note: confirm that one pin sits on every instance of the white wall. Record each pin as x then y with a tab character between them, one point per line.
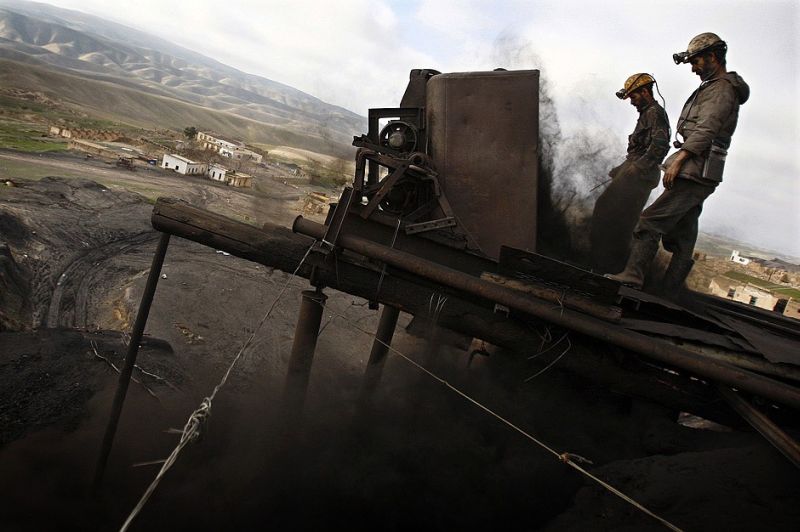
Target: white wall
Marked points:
182	167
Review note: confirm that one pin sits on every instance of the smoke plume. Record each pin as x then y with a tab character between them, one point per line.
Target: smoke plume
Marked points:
572	168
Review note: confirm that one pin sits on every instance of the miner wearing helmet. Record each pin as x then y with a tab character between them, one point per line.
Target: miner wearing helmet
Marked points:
691	174
618	207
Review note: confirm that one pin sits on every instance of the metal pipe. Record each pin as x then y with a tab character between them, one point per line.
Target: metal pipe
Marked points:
380	348
773	433
277	247
606	332
746	361
130	358
305	342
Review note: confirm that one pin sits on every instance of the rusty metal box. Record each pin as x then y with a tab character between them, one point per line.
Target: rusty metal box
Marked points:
483	132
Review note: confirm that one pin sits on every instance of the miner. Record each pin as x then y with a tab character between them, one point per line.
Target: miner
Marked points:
618	208
691	174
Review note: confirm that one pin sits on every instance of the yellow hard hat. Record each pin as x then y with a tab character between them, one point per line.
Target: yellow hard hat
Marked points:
634	82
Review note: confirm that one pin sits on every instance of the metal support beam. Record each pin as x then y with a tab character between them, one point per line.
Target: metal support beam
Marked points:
658	350
305	342
130	358
772	432
380	348
278	247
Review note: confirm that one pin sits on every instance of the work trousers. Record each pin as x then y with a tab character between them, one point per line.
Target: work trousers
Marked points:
673	217
616	213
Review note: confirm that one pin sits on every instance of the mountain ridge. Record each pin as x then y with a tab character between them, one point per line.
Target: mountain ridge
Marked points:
46	37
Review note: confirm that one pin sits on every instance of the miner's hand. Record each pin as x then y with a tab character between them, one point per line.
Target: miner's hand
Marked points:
674	168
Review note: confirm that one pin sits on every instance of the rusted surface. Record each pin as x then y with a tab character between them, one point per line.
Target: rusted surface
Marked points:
483	129
278	247
303	347
578	322
559	297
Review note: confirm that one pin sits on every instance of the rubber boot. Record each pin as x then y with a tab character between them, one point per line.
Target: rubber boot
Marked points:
639	260
676	274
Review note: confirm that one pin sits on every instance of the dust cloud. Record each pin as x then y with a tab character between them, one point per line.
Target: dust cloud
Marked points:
419	456
572	168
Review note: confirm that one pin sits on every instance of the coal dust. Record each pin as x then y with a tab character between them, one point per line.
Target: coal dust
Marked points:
573	166
415	456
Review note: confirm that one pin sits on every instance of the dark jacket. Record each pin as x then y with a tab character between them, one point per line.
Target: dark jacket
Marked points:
709	117
649	142
647	145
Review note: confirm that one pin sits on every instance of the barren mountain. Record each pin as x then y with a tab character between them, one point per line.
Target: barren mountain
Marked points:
74	56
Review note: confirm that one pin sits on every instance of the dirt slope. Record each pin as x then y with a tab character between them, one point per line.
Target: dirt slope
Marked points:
422	458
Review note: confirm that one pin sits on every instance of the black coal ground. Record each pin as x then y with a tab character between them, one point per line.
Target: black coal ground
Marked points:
422	457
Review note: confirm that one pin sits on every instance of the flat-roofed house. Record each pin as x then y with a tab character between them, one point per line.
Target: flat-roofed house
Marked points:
757	292
239	179
227	147
739	259
217	172
182	165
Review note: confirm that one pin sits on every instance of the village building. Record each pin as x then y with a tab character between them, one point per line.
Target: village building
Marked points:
240	180
227	147
111	150
739	259
221	145
217	172
182	165
757	292
101	135
58	131
792	309
243	154
92	148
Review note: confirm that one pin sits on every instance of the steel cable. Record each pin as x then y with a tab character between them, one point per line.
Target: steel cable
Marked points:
191	429
565	457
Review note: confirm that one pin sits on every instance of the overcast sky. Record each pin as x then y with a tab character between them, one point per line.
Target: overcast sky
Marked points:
357	54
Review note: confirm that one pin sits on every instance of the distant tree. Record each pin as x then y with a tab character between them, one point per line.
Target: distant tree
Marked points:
190	132
785	278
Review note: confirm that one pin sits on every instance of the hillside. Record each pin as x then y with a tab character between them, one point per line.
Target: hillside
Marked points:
117	73
722	245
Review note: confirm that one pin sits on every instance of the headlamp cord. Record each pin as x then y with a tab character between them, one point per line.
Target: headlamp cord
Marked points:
664	101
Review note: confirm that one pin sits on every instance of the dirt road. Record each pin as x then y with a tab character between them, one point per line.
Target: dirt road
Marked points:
69	302
276	200
102	214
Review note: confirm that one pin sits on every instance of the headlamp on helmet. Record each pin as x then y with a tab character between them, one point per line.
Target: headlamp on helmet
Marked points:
634	82
705	42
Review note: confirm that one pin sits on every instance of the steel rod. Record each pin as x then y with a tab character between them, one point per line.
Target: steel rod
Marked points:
380	348
305	342
130	358
784	443
584	324
277	247
746	361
